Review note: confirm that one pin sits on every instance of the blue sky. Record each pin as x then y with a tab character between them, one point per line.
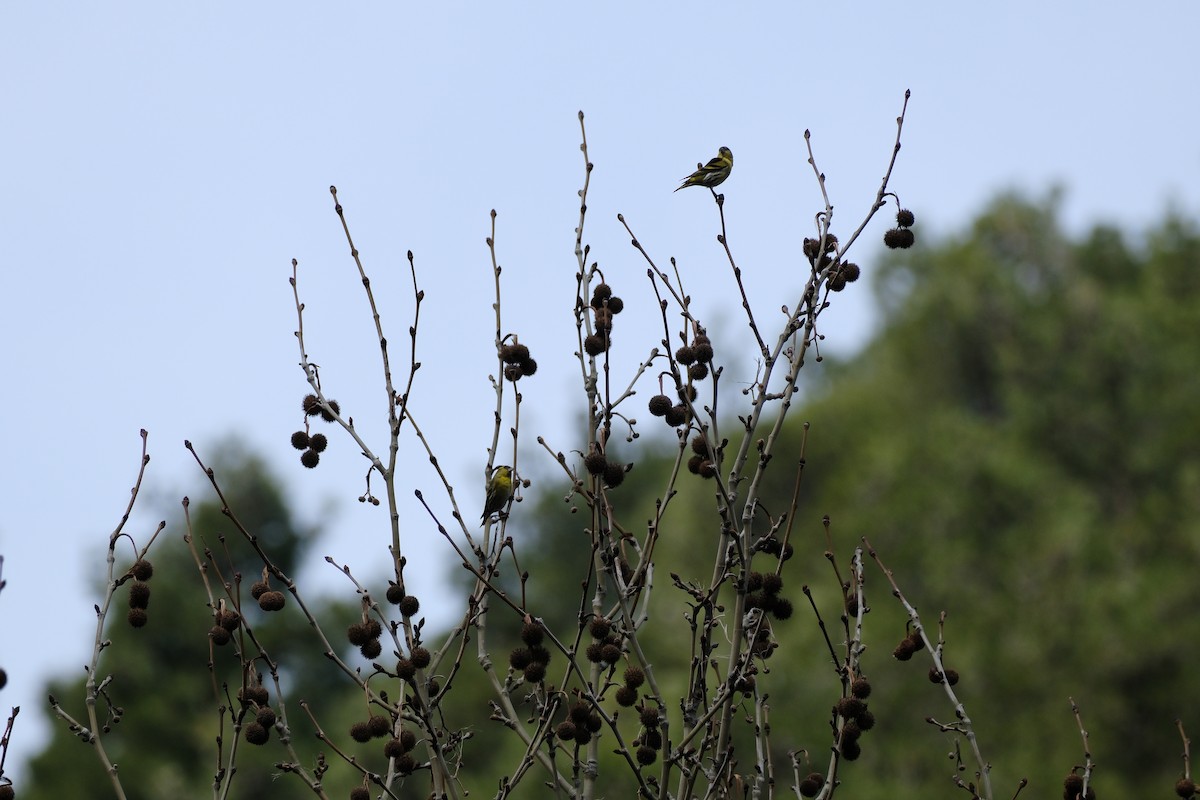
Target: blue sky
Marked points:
165	162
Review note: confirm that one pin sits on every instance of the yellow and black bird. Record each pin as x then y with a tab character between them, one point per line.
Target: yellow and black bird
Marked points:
713	173
499	490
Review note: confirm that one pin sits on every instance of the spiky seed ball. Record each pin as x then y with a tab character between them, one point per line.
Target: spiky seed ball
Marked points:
512	373
851	750
837	282
687	392
420	657
771	583
782	608
1185	788
699	446
659	405
405	670
360	732
594	723
357	634
528	367
648	716
535	672
410	605
698	372
646	755
370	649
408	740
220	637
300	440
952	677
851	732
514	353
360	793
582	735
786	551
405	764
595	463
142	570
905	218
392	749
379	725
746	684
694	463
892	237
259	588
266	717
594	345
850	707
851	272
652	738
3	679
600	293
704	350
1072	786
327	413
532	633
256	733
614	475
634	677
599	627
374	629
394	593
686	355
616	305
610	653
256	695
229	620
310	459
311	405
812	248
676	416
318	442
594	652
271	601
137	617
565	730
626	696
139	595
539	653
860	688
708	470
812	784
579	713
904	650
865	720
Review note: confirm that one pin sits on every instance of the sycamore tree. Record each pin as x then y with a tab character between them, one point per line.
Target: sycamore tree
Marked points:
667	654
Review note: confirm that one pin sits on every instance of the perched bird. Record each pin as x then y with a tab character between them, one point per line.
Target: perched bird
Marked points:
499	489
713	173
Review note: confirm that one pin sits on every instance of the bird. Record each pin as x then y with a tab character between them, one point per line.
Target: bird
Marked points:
499	490
713	173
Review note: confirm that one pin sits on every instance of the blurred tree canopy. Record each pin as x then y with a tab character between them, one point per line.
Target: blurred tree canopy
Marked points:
1018	441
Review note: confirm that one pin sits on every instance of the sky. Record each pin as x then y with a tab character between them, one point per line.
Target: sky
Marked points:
164	163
